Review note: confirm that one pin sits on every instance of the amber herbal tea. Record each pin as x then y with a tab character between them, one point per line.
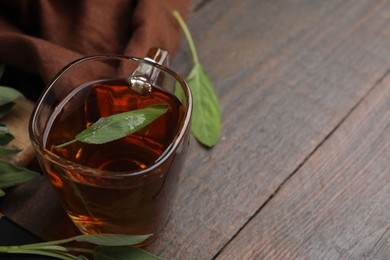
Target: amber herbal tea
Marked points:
124	185
106	205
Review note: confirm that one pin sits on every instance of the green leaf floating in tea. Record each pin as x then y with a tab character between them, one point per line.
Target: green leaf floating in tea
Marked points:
116	126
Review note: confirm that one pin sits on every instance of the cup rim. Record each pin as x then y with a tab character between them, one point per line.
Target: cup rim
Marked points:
90	171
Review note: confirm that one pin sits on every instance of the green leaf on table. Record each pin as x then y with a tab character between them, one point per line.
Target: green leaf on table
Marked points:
119	125
8	150
206	114
122	252
7	98
5	109
11	174
2	193
111	239
5	135
109	246
8	95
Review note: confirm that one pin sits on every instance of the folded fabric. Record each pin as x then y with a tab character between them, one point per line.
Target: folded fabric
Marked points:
40	37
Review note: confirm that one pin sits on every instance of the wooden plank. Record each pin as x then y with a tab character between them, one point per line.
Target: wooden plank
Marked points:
35	207
287	73
336	206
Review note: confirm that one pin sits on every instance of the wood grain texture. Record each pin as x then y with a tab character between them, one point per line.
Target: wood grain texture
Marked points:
35	206
337	205
287	73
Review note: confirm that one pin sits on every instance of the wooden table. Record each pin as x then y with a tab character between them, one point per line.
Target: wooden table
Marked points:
302	169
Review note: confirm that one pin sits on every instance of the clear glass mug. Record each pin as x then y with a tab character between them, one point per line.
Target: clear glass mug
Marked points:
125	186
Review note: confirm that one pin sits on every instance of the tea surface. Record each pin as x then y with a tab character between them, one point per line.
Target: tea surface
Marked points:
90	102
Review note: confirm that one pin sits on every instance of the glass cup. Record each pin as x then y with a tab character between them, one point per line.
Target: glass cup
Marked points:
125	186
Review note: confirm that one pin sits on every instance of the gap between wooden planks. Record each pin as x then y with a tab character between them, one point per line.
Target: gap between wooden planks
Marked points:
304	76
336	205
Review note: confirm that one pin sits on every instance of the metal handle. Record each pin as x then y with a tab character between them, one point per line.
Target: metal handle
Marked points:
145	75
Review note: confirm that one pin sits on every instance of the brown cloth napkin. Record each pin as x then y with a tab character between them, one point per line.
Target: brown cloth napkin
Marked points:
42	36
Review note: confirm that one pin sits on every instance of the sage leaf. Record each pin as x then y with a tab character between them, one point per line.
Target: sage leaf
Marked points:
11	175
111	239
8	95
206	120
109	246
5	109
47	247
52	253
206	113
122	252
8	151
119	125
5	135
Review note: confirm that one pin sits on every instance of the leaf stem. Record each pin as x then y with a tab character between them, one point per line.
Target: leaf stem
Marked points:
20	250
65	144
186	31
48	243
80	250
